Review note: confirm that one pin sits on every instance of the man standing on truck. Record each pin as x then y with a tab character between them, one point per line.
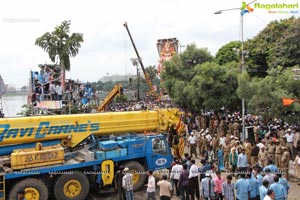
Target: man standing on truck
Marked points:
118	183
127	183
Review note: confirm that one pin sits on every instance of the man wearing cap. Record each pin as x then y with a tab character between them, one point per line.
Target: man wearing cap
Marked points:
278	153
281	137
271	150
193	144
263	157
289	141
285	161
127	184
236	128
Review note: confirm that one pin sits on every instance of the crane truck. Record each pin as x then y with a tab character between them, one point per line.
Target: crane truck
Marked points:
62	156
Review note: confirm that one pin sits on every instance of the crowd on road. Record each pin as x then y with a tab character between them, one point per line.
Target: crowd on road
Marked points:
258	164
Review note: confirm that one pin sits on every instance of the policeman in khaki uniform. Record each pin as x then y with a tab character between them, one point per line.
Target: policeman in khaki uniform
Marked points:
271	150
263	157
281	134
285	162
236	128
248	147
226	149
278	153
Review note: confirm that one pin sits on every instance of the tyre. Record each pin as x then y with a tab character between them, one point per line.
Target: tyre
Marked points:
73	186
34	189
138	172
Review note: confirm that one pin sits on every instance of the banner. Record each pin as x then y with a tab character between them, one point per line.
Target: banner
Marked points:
52	105
166	48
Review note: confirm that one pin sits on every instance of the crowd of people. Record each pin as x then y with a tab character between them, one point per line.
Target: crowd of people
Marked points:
231	167
139	105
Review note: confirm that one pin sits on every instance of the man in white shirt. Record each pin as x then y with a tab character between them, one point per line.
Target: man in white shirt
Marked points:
193	144
150	187
175	174
289	141
193	181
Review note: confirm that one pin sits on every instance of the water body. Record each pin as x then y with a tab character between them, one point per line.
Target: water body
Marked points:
12	104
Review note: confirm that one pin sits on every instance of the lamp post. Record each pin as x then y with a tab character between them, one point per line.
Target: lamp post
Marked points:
243	58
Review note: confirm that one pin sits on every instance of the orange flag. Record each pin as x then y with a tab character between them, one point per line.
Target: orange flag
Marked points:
287	101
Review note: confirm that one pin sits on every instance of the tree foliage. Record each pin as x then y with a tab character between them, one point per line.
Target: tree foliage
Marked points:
61	43
227	53
277	45
195	82
264	95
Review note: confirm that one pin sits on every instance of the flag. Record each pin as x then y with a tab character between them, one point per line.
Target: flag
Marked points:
287	101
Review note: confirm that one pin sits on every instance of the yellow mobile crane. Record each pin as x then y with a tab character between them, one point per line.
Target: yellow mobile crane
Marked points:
152	93
65	154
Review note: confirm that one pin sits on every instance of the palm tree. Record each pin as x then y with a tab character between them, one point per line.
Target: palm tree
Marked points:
60	43
135	63
152	71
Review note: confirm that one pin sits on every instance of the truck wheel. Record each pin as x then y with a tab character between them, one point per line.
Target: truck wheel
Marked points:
34	189
73	186
138	172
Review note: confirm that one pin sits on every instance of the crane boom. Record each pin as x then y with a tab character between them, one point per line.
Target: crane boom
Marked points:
147	77
73	129
116	90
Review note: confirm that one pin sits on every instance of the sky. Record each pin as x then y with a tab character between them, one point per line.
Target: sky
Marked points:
107	48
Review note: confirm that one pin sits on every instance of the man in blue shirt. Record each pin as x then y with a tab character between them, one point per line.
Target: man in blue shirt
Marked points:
278	189
263	189
272	167
242	162
284	182
242	187
252	189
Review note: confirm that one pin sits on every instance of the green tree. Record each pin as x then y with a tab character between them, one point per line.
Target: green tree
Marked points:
152	71
286	51
61	43
227	53
273	46
264	95
194	82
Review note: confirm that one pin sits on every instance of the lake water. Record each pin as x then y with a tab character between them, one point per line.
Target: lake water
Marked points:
13	104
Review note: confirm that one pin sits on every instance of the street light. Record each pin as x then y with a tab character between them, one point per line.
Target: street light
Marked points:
243	56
